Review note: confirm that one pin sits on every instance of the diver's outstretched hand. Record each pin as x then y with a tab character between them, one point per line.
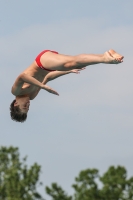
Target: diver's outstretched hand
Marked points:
48	89
77	71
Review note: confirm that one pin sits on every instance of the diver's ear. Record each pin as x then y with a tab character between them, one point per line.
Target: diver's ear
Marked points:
15	103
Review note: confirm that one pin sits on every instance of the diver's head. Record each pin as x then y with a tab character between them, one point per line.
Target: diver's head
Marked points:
19	108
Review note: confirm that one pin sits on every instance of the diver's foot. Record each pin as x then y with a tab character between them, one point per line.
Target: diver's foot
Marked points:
111	57
115	55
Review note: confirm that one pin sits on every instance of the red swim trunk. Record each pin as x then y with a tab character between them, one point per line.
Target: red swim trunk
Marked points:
39	62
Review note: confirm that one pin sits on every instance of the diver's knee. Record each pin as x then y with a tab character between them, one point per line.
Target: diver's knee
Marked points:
73	63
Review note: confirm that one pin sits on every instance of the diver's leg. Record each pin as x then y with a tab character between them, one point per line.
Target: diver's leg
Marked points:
63	62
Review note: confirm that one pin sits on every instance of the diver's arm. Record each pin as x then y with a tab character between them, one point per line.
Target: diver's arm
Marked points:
53	75
29	79
21	79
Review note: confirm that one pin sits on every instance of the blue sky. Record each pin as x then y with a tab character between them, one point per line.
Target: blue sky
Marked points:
91	123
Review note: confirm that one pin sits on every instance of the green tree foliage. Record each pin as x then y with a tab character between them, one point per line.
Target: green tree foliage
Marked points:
114	185
86	187
17	182
57	193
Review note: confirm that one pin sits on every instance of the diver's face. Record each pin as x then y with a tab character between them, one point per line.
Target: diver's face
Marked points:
23	103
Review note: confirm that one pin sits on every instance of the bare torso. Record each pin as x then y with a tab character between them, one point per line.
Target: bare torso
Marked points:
37	73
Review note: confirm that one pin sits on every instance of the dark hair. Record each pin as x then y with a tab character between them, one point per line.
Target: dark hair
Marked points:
16	113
